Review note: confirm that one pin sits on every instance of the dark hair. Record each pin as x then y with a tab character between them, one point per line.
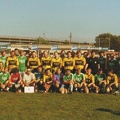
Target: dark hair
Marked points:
14	70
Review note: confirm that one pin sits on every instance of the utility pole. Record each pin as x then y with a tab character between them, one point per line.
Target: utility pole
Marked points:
109	43
99	44
70	38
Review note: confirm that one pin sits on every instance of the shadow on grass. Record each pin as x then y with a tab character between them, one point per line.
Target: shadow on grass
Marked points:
110	111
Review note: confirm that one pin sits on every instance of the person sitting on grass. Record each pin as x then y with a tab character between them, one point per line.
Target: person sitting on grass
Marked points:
4	78
15	81
57	80
39	79
100	80
29	79
90	81
47	80
68	82
112	81
79	81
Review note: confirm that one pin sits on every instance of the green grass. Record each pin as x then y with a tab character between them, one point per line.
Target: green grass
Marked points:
53	106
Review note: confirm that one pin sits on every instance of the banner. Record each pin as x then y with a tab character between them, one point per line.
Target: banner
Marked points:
54	48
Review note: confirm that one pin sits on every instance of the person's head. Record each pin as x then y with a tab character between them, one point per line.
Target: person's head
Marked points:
5	70
45	54
16	51
78	71
100	71
112	56
34	54
62	52
58	71
68	71
12	53
15	70
85	54
69	54
22	52
28	71
110	72
47	71
56	54
39	69
3	53
89	70
118	55
101	54
78	53
93	54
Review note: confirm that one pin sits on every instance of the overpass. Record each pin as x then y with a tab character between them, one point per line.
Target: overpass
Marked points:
32	40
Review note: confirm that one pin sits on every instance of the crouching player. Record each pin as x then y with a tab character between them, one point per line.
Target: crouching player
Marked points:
79	81
112	81
100	80
47	79
57	80
39	79
90	81
68	82
4	78
29	79
15	81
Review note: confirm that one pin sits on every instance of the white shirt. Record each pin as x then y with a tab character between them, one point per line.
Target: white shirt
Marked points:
28	78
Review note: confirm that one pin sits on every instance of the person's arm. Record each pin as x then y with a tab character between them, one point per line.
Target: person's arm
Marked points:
39	63
17	62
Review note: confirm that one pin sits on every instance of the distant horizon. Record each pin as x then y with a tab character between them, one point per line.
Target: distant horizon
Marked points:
34	37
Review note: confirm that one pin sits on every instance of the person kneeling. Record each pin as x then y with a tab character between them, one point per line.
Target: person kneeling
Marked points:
29	78
67	82
112	82
79	81
47	80
90	81
15	82
57	80
4	80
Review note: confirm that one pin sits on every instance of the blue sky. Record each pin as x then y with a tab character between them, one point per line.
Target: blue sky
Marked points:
57	18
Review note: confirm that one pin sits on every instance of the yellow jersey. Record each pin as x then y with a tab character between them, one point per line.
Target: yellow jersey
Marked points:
46	62
68	63
47	78
112	79
12	62
56	63
79	62
33	62
89	78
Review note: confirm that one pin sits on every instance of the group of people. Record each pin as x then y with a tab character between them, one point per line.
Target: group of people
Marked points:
63	73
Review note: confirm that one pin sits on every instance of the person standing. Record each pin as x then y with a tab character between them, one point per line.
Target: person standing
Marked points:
33	62
12	61
93	63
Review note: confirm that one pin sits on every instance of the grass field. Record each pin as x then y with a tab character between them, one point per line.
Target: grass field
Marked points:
54	106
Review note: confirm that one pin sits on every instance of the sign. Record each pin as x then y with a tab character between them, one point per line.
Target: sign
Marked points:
54	48
74	48
29	89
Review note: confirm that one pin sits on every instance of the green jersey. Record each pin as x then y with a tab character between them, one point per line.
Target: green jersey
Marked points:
112	64
79	77
22	63
99	78
3	60
4	77
68	77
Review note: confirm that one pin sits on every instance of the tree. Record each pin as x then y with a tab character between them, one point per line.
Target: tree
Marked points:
108	40
41	40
